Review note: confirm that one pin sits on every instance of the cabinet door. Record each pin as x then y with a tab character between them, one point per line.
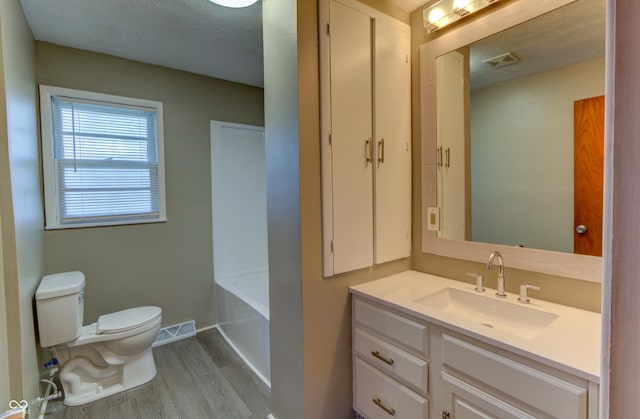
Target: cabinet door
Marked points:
451	193
351	134
392	127
464	401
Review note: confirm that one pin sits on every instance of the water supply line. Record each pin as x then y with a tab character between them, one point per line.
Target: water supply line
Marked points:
53	388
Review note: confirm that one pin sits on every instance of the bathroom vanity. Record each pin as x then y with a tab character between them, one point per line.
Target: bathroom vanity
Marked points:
426	346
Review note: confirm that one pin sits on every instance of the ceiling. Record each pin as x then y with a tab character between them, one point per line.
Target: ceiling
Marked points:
204	38
191	35
565	36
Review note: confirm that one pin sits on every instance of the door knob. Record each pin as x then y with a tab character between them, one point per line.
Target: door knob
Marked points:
581	229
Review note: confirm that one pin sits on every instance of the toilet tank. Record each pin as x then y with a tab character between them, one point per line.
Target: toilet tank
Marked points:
60	307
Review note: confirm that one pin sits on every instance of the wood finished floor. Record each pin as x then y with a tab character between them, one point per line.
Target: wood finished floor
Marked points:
199	377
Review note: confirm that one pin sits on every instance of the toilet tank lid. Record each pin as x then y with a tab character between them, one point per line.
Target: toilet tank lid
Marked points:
61	284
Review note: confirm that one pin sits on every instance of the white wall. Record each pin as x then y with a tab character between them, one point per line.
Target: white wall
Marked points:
239	201
22	221
522	156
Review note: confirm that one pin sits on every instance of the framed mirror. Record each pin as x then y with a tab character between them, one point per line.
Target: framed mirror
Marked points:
498	150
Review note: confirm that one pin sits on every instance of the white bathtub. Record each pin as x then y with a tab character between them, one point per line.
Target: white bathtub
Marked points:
242	303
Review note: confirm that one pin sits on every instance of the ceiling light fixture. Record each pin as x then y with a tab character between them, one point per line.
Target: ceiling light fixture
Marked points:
236	4
445	12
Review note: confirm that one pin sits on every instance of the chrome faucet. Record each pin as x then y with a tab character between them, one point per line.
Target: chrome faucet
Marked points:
500	291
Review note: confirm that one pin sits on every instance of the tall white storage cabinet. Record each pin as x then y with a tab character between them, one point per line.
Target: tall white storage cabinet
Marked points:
451	114
366	134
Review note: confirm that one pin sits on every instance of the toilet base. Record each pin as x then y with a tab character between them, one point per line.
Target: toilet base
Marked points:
84	381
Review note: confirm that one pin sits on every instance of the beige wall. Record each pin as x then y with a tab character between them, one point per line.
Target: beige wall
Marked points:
326	302
310	316
20	200
581	294
522	156
165	264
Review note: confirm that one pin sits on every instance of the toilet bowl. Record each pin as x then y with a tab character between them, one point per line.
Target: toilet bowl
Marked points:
103	358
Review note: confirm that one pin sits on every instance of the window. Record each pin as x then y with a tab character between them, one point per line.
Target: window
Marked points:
102	159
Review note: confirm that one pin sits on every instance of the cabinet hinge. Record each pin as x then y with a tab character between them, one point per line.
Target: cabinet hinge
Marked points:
328	29
331	245
330	139
406	58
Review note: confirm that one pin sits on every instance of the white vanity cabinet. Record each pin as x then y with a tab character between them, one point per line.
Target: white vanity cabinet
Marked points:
366	136
413	369
390	364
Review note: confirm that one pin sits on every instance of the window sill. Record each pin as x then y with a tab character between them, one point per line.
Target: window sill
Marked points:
105	224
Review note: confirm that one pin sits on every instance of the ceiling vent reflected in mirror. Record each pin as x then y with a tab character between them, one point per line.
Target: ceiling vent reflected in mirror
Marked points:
502	60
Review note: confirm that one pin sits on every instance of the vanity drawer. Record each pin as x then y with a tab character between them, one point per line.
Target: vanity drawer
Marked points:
392	360
406	332
379	397
550	394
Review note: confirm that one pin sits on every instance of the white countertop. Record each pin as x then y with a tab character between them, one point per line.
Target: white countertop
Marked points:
571	343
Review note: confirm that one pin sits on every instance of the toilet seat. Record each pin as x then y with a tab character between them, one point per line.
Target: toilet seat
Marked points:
118	325
128	319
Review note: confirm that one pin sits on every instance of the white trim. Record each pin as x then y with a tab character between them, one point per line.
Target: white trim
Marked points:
325	131
607	233
105	224
204	329
588	268
51	198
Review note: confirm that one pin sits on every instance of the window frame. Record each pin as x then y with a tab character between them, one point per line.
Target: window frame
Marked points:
51	197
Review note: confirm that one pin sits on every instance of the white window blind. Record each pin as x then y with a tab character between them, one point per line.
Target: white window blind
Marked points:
105	167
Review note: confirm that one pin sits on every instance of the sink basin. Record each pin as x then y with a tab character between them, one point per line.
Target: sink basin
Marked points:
513	318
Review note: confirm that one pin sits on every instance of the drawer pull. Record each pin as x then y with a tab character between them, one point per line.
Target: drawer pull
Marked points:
381	405
382	358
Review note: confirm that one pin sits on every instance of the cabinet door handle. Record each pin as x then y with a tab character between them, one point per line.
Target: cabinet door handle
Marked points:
367	150
381	151
382	358
445	414
381	405
447	154
439	157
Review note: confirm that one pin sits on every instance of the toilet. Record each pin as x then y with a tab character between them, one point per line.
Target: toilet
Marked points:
100	359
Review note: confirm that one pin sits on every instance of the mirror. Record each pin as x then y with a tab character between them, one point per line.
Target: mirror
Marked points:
497	199
532	103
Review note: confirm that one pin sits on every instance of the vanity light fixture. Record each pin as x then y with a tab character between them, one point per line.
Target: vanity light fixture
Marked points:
236	4
445	12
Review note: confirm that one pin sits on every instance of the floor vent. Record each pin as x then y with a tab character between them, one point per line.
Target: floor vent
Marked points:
175	332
